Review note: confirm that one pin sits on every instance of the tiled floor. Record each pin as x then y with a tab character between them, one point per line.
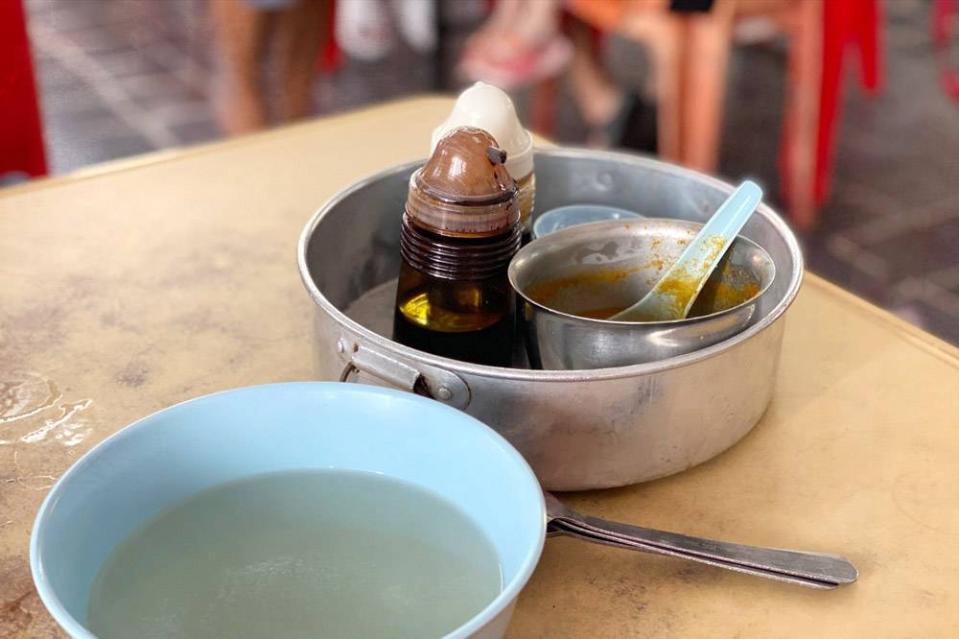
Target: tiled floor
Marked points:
120	77
891	230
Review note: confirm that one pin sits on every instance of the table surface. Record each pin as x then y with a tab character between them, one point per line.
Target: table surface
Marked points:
142	283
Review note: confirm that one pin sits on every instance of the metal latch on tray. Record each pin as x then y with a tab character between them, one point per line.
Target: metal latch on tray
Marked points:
436	383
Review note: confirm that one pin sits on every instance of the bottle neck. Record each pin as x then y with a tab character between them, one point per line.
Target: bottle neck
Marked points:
460	258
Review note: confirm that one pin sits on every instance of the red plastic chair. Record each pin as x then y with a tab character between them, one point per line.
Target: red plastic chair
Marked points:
690	72
848	25
21	131
945	15
330	56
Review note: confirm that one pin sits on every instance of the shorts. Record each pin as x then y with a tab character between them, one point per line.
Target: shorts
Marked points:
270	5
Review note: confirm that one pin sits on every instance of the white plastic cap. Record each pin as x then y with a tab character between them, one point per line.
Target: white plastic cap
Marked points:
489	108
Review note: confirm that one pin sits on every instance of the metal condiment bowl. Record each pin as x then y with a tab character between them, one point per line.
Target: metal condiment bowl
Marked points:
605	267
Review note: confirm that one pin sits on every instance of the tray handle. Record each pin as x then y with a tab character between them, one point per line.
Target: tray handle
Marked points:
436	383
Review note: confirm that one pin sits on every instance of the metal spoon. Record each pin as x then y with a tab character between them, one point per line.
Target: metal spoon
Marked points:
674	294
812	570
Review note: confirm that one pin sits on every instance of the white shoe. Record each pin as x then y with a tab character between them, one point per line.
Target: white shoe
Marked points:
417	23
363	29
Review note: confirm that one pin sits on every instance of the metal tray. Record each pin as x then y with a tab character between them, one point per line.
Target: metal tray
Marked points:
578	429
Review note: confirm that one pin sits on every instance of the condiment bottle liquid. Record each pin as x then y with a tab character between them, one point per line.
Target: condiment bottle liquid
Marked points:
487	107
460	230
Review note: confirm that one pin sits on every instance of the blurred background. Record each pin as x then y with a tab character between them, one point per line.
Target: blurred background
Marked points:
847	111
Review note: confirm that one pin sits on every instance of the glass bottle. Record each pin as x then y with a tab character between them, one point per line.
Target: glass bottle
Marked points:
459	232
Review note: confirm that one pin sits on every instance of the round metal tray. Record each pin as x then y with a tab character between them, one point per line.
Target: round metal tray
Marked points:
579	429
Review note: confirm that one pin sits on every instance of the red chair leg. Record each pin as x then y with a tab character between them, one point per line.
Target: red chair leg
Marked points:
330	57
845	22
868	19
21	132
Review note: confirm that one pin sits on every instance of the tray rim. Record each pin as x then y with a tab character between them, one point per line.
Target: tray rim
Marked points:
538	375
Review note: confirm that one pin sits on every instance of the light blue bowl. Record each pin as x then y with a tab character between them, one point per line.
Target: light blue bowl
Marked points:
175	453
575	214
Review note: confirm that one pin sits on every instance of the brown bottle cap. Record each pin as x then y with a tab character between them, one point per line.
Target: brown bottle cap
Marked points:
464	188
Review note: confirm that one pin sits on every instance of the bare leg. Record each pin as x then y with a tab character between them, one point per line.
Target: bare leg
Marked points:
300	31
651	22
596	95
707	42
538	19
505	13
241	34
529	21
802	112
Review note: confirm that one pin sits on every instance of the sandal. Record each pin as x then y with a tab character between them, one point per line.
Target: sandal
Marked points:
517	62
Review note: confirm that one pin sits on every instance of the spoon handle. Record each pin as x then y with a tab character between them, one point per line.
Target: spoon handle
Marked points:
674	294
729	220
807	569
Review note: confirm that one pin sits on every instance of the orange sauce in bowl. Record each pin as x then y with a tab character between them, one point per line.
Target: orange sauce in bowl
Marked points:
728	287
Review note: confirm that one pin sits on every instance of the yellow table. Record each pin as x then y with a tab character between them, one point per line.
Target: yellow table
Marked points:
139	284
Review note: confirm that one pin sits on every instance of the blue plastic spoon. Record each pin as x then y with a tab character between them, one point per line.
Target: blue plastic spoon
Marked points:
675	293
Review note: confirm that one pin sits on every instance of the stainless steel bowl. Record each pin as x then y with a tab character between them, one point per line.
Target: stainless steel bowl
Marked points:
578	429
600	268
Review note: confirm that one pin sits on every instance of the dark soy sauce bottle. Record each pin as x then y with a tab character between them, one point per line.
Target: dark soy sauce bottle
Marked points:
459	232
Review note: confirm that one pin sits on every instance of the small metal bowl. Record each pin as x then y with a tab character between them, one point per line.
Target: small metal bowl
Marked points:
572	278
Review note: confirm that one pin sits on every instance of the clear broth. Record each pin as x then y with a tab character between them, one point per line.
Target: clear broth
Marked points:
298	554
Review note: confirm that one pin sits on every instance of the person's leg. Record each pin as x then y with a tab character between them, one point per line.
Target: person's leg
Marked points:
708	38
505	13
514	27
300	31
528	49
596	95
241	32
538	20
625	117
